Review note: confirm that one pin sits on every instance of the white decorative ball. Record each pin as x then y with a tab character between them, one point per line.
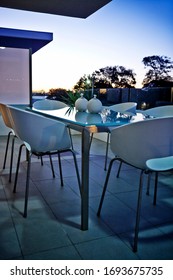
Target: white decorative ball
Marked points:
94	105
81	104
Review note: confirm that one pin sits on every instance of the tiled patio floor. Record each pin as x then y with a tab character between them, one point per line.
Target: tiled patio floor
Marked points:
52	228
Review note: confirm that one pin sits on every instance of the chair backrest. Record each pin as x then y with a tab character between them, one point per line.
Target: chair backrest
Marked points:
161	111
137	142
48	104
40	133
124	107
5	115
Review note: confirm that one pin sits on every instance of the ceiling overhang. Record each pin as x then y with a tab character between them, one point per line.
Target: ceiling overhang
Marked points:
24	39
71	8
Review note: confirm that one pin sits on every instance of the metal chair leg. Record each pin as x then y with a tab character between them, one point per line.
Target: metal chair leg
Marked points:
105	186
60	169
6	149
17	168
51	163
106	155
11	160
148	183
119	169
155	188
41	158
138	211
27	185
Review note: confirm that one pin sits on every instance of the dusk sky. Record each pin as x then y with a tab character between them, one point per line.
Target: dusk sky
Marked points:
121	33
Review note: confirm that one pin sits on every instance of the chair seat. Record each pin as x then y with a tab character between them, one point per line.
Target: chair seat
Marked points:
160	164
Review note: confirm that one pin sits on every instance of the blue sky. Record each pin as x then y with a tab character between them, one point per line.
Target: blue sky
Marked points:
121	33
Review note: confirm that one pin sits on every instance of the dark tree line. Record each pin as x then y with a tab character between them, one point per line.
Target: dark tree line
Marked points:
117	76
158	74
108	77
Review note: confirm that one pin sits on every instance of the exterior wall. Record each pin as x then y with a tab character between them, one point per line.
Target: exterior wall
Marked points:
15	79
152	97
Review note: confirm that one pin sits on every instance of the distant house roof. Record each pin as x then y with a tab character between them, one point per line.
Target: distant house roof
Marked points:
25	39
72	8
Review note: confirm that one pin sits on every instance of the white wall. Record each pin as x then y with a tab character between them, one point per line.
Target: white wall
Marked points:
15	78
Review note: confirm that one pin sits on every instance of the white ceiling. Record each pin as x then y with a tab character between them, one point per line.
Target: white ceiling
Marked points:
72	8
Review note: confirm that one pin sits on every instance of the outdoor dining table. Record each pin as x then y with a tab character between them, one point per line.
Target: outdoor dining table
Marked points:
88	123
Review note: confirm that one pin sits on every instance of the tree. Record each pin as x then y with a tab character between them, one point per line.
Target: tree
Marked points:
57	93
84	83
108	77
159	70
113	77
39	92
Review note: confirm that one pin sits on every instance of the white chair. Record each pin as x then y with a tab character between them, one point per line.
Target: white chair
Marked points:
48	104
121	108
41	136
7	122
136	143
124	107
161	111
6	118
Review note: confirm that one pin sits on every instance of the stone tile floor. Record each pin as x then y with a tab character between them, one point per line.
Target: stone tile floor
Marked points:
52	228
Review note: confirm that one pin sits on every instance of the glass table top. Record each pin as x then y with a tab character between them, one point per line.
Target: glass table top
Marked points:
106	117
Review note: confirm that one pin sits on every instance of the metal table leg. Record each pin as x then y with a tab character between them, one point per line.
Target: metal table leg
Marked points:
85	179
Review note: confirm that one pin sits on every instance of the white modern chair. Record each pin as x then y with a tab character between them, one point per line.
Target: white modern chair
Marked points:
157	112
49	104
7	122
161	111
135	144
41	136
124	107
121	108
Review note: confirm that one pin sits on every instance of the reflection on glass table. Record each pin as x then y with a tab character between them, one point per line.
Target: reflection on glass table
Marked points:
105	118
